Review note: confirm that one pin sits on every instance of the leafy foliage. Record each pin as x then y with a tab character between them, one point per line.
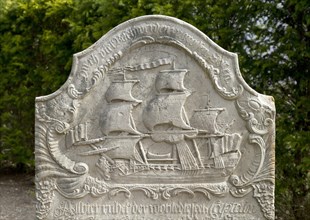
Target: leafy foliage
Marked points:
38	38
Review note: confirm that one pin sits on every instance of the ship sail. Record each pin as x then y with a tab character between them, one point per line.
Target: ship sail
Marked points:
231	142
121	91
166	108
124	148
170	80
226	146
206	120
117	118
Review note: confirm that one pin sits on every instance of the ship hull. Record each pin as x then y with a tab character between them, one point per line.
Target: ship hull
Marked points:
173	173
172	177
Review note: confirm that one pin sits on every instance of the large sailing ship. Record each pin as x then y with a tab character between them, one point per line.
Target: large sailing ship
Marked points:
199	150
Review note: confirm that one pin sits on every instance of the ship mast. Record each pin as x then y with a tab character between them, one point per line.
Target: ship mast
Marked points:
167	108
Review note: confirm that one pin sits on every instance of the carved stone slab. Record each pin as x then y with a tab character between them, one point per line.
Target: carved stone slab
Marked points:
155	122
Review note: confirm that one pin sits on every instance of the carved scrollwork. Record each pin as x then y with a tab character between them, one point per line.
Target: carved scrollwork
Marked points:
215	190
57	113
260	176
95	187
149	192
116	190
42	116
169	191
73	92
44	194
46	166
62	160
262	170
240	192
229	92
85	185
98	188
251	176
47	148
54	170
263	192
259	117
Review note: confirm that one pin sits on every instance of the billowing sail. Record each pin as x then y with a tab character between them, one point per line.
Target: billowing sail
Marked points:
231	142
205	120
76	134
170	80
166	109
124	147
121	91
225	147
118	118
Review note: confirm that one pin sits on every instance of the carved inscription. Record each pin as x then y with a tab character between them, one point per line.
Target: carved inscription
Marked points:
176	210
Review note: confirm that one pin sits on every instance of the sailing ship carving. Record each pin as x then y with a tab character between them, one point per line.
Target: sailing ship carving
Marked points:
198	148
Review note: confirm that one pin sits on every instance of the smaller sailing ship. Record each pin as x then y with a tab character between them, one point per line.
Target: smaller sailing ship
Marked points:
220	150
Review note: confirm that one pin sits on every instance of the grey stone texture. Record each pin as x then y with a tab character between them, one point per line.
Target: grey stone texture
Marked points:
155	122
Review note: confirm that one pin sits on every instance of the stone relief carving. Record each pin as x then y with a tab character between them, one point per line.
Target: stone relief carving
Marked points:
260	177
152	141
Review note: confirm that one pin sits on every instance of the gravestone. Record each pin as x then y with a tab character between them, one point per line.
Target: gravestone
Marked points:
155	122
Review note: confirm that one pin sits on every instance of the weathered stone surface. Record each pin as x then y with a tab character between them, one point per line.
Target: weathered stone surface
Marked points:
155	122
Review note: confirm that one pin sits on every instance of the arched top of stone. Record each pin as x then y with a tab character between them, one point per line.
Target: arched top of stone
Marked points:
92	64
